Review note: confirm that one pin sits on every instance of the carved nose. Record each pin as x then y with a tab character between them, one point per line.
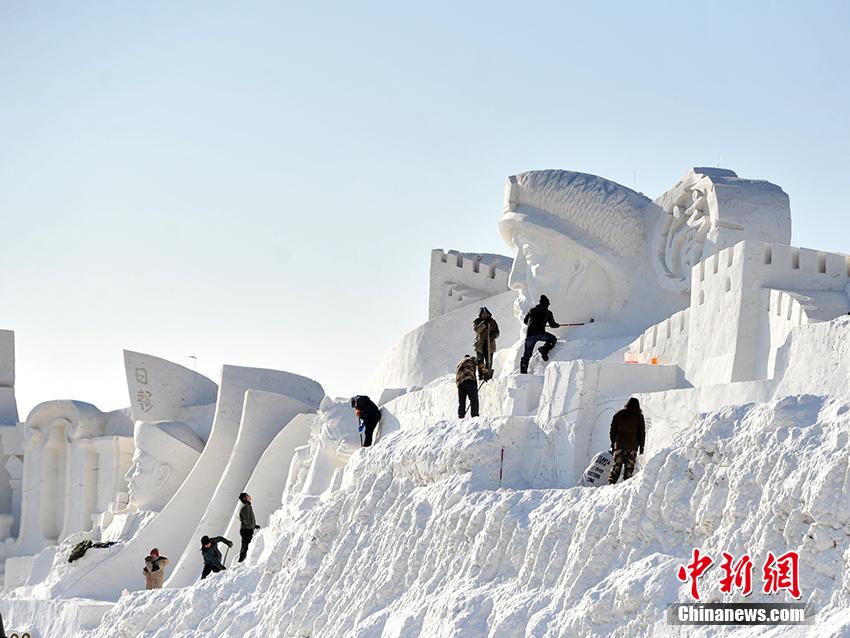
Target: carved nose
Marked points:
519	271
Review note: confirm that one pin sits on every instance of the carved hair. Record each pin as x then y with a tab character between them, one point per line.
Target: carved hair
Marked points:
598	208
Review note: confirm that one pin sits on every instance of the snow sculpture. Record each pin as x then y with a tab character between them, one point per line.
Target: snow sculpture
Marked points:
8	407
434	348
59	491
172	527
10	462
264	415
316	467
165	454
268	480
161	390
710	209
579	239
460	279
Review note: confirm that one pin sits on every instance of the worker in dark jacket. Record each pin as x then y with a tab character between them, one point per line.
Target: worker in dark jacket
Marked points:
211	555
369	415
247	524
466	387
628	435
486	333
537	319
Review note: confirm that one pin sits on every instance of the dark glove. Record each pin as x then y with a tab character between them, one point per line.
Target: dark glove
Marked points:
256	527
229	543
640	450
611	450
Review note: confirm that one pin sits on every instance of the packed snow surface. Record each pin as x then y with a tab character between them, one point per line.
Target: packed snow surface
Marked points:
421	540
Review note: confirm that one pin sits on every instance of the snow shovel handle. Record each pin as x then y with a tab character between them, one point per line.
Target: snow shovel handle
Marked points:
580	323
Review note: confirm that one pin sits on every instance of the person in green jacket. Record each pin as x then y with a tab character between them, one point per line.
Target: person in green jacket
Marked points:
247	524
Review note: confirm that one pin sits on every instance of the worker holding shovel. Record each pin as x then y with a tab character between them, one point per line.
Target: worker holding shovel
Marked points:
212	555
466	386
486	333
537	319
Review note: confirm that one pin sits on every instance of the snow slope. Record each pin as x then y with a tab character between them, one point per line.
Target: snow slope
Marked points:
420	540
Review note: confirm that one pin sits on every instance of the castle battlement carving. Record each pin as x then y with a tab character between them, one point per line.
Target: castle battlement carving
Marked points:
459	279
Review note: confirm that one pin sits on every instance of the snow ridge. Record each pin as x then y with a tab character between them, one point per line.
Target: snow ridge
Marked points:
421	541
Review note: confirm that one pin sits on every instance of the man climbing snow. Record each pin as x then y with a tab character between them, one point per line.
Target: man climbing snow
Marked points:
628	435
537	319
154	570
211	555
247	524
486	333
466	387
369	415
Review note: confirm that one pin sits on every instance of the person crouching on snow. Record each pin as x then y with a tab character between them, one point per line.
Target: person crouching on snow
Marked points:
369	415
466	387
628	436
211	554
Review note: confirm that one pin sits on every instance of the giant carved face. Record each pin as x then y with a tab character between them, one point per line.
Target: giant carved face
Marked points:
145	479
165	454
547	263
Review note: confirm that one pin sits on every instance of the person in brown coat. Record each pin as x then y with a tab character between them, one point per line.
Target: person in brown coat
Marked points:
154	570
628	436
486	333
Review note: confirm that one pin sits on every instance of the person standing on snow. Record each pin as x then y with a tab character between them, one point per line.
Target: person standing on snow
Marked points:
247	524
466	387
211	554
369	415
537	319
628	435
154	570
486	333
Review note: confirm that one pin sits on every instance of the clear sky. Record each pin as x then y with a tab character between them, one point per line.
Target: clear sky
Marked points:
260	183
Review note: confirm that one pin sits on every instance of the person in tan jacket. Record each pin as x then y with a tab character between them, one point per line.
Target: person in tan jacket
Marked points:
154	570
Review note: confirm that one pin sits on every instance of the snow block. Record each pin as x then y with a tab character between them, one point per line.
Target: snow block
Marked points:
582	396
263	417
7	359
159	389
512	395
8	407
268	480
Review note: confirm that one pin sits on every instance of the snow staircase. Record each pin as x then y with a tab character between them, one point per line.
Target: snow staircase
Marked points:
511	395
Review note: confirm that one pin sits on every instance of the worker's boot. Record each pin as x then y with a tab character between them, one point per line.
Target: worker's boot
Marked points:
544	352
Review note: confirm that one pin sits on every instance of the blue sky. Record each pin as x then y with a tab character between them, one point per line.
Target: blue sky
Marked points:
261	183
